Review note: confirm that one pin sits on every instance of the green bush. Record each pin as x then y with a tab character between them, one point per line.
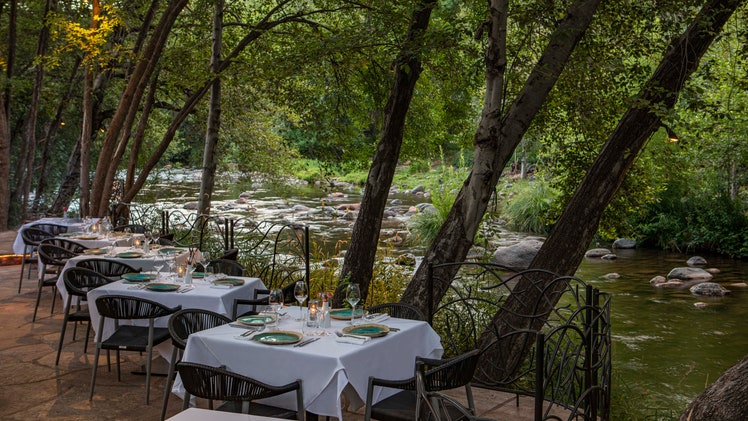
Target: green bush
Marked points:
530	206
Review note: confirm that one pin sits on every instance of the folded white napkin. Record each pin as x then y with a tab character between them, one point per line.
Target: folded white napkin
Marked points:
378	318
352	339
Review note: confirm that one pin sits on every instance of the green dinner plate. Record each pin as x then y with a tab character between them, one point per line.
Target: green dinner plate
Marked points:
256	320
372	330
95	251
162	287
230	281
130	255
138	277
345	313
280	337
169	251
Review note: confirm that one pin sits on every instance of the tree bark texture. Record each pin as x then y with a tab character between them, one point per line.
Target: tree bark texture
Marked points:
724	400
496	138
4	165
210	156
359	259
567	242
129	103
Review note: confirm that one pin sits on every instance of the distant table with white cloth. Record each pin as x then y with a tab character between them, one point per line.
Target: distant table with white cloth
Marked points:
328	369
73	224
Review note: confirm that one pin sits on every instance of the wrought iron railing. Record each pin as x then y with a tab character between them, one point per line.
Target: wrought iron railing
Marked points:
567	360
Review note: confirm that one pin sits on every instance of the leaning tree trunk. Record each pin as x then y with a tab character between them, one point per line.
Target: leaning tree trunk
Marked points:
567	242
210	156
359	259
725	399
496	138
4	165
127	108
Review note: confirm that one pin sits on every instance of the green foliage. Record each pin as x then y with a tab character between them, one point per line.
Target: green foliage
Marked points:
530	206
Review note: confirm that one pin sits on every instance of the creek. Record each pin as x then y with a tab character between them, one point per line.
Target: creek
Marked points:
665	349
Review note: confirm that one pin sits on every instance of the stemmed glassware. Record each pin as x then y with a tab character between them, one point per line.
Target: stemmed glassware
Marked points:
353	296
301	292
275	300
158	264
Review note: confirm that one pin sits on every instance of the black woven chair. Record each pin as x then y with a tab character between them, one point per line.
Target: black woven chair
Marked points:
31	237
228	267
106	267
78	281
260	299
237	391
131	228
53	229
70	245
52	259
437	375
399	310
127	337
182	324
230	254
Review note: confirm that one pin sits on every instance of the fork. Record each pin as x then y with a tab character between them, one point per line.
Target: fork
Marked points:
252	330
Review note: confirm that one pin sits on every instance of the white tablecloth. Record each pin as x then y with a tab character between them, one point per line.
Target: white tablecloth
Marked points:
328	369
203	296
72	224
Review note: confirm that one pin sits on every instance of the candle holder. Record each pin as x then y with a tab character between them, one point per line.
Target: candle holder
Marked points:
314	313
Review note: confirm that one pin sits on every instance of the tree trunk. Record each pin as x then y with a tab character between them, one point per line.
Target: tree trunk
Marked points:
86	138
567	242
724	400
210	156
106	166
359	259
50	136
496	139
4	165
69	183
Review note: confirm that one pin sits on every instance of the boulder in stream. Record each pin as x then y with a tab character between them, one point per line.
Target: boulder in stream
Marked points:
689	274
517	256
624	243
696	261
710	289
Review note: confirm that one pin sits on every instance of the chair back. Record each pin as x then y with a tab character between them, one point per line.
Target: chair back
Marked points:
185	322
448	374
107	267
32	236
229	267
399	310
52	255
53	229
230	254
70	245
217	383
78	281
127	307
131	228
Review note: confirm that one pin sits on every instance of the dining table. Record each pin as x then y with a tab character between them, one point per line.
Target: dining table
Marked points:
333	369
214	295
72	224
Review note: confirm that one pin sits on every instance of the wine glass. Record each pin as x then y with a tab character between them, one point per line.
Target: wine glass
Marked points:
301	292
353	296
275	299
158	264
204	260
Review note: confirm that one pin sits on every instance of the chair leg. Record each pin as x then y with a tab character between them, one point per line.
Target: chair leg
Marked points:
116	355
54	297
149	354
23	263
38	298
93	371
85	344
62	332
169	380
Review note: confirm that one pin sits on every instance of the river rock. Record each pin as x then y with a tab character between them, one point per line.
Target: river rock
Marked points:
407	259
659	279
669	284
426	208
597	252
711	289
713	271
245	194
610	256
700	304
689	274
190	206
624	243
739	285
696	261
396	202
417	189
300	208
517	256
611	275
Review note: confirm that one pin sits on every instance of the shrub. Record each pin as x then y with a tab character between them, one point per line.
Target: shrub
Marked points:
530	206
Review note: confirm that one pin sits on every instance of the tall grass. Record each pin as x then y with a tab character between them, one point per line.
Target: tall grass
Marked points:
530	206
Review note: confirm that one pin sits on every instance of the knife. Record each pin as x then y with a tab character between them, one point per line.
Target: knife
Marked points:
306	342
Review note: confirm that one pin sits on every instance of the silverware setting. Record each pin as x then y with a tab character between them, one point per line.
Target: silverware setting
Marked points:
252	330
306	342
